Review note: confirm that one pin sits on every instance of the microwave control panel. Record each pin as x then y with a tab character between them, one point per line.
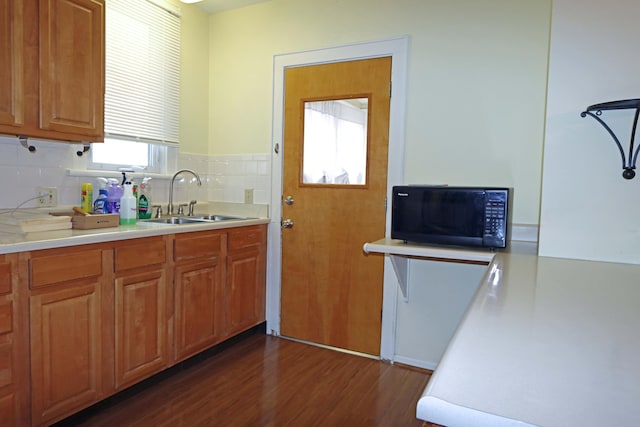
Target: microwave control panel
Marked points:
495	226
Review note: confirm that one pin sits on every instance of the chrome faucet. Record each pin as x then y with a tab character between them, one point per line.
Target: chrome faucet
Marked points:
170	206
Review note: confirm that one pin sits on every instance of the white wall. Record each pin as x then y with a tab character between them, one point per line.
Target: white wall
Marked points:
588	210
476	81
439	293
224	177
194	81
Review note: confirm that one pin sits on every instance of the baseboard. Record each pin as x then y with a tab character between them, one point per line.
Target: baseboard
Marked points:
430	366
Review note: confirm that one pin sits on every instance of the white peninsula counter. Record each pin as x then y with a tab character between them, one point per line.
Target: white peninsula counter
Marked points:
547	342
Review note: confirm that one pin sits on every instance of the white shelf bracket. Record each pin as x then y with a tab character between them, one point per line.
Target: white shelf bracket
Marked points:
401	252
401	267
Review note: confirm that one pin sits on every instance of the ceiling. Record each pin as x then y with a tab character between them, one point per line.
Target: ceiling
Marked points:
213	6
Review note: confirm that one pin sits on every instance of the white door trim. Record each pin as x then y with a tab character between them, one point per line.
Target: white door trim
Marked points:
397	48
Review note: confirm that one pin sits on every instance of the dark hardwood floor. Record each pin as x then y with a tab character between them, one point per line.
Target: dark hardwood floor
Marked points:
263	380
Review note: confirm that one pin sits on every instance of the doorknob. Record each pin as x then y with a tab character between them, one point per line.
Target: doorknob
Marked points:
289	200
287	223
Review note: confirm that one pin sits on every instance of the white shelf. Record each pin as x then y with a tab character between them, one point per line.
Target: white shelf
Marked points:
400	253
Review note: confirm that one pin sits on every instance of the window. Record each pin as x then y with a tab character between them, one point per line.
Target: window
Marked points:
335	142
142	87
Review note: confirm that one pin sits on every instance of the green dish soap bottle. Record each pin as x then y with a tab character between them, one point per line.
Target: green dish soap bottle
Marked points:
144	199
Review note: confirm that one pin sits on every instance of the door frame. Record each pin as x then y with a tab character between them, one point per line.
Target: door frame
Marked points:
397	48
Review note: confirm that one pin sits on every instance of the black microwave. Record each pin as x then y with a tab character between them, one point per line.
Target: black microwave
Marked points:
461	216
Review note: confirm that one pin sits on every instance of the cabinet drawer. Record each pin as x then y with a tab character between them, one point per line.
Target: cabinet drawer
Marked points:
199	245
140	253
63	266
245	237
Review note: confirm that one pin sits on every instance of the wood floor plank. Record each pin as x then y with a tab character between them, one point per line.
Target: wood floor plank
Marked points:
268	381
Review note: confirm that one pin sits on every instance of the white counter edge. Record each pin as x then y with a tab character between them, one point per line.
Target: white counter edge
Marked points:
442	412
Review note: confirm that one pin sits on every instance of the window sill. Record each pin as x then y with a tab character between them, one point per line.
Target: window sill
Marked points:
115	174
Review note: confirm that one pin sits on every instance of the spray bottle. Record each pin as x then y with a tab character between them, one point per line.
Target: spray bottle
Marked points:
100	203
86	200
128	205
114	193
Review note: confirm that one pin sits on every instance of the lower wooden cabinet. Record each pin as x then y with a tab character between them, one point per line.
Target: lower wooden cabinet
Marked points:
140	310
103	317
14	369
198	292
67	327
140	326
244	292
199	280
66	335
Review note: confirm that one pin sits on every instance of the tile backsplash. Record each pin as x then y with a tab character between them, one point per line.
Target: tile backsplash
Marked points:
224	178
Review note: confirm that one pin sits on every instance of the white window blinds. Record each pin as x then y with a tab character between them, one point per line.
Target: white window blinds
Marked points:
142	87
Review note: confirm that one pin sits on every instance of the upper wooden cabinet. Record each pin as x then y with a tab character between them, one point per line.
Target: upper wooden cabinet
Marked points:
52	86
12	58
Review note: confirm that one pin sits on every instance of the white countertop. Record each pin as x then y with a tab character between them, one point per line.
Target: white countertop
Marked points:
11	242
545	341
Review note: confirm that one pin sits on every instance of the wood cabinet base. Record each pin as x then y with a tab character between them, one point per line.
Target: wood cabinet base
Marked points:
103	317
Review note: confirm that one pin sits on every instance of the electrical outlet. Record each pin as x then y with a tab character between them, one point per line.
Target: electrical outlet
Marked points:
248	195
46	197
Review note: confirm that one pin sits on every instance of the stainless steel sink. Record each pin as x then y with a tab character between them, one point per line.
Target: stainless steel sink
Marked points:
198	219
218	217
175	220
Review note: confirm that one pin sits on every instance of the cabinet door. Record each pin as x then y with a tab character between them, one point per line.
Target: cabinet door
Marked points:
198	306
72	66
244	296
141	326
14	361
12	60
65	350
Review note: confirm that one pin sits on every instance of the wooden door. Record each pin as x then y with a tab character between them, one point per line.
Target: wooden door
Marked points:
140	326
331	292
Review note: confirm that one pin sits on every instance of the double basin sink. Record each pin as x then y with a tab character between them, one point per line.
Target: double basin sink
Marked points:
197	219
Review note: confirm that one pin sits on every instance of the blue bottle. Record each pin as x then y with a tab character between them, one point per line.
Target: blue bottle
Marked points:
100	203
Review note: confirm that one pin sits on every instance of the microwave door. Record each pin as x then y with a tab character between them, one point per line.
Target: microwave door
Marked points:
453	217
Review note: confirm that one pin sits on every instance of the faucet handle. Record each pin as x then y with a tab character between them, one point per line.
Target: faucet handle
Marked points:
181	208
191	206
158	209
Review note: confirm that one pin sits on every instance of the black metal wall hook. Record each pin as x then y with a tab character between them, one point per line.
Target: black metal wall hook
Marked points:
595	111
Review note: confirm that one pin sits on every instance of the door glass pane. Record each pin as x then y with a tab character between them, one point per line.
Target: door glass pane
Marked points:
335	142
